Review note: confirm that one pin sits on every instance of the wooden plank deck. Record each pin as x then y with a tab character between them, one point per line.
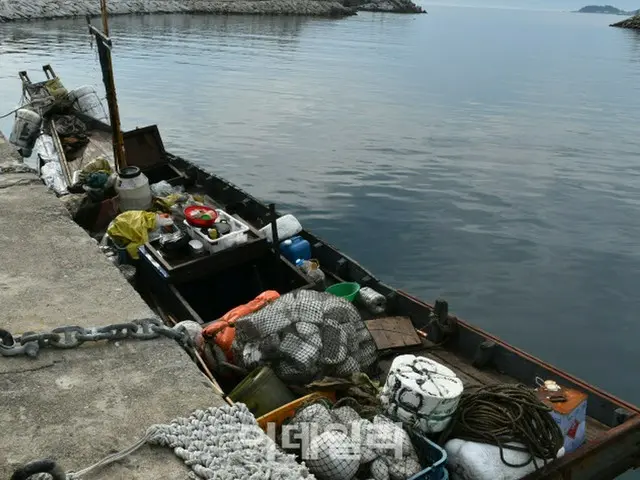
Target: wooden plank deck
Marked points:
100	145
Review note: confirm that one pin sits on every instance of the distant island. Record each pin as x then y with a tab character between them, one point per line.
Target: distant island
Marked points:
606	9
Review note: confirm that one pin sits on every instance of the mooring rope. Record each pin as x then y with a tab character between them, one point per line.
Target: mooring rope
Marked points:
505	415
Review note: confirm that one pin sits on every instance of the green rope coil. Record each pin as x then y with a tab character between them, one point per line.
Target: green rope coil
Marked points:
504	414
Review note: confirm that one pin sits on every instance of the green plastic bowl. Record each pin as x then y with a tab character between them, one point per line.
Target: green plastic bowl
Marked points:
346	290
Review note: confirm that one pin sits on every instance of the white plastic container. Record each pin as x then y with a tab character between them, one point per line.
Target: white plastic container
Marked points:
133	187
85	99
481	461
237	236
421	393
287	226
25	130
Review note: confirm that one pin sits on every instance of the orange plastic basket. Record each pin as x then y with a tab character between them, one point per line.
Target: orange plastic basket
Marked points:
280	415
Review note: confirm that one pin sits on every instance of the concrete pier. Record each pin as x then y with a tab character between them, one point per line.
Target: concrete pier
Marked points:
77	406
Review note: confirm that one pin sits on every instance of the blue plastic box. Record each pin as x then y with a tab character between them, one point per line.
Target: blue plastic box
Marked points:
429	454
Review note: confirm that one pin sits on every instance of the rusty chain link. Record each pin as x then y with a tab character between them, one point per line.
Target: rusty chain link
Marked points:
72	336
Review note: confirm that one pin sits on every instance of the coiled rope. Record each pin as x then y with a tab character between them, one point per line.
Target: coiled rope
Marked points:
509	416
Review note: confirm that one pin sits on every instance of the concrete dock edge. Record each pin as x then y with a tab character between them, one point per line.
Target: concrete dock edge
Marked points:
77	406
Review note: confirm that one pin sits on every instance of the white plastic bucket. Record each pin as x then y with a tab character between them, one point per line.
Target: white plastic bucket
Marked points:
133	187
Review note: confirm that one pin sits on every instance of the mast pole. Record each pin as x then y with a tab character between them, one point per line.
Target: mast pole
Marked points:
104	52
105	21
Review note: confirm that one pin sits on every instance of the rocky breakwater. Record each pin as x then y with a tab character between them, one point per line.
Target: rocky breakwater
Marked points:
633	22
392	6
12	10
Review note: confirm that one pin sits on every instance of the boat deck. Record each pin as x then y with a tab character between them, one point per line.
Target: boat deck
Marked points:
100	145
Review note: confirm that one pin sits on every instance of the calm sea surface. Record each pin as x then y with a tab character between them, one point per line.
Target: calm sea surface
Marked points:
489	156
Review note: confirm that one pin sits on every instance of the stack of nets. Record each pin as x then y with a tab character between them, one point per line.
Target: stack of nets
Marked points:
73	133
305	335
337	444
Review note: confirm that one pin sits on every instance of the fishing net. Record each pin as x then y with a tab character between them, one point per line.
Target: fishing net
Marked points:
305	335
73	133
336	443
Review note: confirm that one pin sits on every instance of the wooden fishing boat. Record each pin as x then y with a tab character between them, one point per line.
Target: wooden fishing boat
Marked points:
613	425
202	288
183	288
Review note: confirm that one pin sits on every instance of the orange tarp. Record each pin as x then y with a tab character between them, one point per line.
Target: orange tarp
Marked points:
223	330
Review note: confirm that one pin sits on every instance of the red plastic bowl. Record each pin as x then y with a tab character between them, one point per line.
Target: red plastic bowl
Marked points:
191	214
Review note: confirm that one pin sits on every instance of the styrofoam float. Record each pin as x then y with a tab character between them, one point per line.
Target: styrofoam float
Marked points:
480	461
421	393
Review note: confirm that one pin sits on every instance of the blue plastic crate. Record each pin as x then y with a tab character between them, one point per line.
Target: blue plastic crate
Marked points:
429	454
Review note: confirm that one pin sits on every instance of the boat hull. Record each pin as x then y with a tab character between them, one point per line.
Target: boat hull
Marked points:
613	445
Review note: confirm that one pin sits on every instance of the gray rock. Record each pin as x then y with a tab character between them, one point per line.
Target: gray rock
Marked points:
632	23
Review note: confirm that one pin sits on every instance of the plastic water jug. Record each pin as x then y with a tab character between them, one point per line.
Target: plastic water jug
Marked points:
295	248
133	187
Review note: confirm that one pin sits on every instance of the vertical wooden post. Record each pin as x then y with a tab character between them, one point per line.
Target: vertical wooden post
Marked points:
105	21
104	52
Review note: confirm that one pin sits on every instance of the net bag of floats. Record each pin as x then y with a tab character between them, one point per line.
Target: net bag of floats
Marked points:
421	393
304	335
341	445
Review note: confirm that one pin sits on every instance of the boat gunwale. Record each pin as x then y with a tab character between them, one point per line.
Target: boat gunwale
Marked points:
521	353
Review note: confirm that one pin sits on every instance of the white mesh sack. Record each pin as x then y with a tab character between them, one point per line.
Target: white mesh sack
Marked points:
304	335
337	437
333	456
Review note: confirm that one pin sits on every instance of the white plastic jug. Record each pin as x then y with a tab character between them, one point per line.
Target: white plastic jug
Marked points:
133	187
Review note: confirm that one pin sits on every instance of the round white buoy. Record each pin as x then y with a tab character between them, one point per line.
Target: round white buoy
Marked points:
421	393
333	456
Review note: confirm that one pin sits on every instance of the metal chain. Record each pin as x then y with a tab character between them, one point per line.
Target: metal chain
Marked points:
72	336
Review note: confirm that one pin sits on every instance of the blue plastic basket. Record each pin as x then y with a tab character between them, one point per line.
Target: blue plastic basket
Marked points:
430	454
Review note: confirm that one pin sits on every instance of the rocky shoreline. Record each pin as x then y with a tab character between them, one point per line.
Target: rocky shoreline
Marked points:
16	10
633	23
